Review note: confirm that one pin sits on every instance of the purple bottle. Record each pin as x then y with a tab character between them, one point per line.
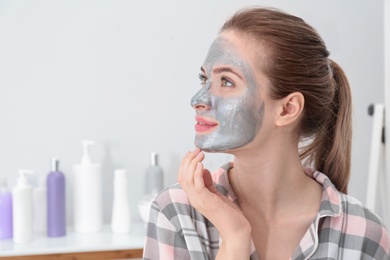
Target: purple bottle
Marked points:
5	211
56	223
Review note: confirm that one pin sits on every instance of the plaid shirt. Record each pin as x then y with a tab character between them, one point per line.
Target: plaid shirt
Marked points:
343	228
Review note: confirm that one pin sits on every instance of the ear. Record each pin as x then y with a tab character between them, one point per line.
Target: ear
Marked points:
291	108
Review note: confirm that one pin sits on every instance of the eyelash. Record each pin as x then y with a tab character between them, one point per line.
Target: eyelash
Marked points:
225	81
202	78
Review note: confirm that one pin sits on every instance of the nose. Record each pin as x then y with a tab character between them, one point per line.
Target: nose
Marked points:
201	100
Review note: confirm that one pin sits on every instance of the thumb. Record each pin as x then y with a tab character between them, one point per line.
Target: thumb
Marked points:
208	181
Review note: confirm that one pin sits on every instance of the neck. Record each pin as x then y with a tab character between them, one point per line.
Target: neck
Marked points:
277	179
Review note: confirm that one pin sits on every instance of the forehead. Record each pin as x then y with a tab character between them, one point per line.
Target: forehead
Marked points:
222	52
241	52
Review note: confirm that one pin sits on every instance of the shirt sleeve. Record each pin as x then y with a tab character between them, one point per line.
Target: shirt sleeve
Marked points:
383	245
363	231
376	241
169	228
161	236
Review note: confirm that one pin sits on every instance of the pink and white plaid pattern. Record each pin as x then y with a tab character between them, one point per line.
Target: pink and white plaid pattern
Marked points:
343	228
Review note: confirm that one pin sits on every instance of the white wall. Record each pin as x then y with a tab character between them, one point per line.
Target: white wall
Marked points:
387	94
122	73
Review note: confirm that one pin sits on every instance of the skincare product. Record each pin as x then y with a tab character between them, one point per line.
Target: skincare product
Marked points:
121	219
154	179
40	206
22	210
5	210
56	220
154	184
87	193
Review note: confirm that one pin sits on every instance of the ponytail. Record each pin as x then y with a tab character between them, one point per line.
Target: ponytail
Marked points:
330	150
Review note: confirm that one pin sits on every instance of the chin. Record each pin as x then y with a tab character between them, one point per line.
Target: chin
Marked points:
212	148
209	150
213	145
205	147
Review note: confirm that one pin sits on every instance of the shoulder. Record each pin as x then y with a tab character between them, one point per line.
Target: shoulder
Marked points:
348	223
348	213
170	203
173	194
361	219
360	229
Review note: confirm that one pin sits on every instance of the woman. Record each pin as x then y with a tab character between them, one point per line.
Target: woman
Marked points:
268	87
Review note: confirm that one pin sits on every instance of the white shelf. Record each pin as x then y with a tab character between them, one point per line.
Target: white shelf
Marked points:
73	242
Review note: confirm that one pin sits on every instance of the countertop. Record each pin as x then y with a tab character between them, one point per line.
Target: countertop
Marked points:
103	240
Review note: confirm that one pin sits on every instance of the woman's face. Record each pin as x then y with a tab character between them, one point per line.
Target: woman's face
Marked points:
229	108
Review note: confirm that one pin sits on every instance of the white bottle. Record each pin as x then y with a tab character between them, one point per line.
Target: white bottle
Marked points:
40	206
121	219
22	210
87	193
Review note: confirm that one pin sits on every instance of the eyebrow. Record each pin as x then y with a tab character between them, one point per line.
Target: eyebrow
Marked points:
223	69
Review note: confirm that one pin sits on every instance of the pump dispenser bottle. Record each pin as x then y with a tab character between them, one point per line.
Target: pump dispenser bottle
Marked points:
5	210
56	221
40	206
87	193
121	219
22	209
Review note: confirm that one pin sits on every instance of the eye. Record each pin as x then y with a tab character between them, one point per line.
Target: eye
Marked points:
202	78
226	82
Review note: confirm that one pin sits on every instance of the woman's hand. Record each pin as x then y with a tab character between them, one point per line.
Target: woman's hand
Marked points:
234	228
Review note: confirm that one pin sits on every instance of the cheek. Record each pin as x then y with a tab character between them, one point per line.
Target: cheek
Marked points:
248	113
227	109
234	111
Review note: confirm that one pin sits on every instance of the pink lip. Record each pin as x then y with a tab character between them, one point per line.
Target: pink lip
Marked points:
204	125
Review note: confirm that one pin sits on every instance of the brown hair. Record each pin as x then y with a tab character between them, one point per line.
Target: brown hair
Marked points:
298	62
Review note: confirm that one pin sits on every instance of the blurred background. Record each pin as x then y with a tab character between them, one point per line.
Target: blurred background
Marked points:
122	73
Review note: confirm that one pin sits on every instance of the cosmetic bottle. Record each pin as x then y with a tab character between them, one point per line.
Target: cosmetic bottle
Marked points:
39	206
154	179
87	193
154	184
56	220
121	219
22	209
5	210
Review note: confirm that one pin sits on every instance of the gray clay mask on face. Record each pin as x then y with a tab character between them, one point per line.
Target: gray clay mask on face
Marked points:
239	116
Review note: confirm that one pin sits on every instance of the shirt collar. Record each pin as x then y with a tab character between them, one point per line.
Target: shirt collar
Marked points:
330	201
330	207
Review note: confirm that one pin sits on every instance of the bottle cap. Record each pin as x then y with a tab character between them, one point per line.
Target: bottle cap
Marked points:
120	174
55	164
154	158
86	159
22	179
